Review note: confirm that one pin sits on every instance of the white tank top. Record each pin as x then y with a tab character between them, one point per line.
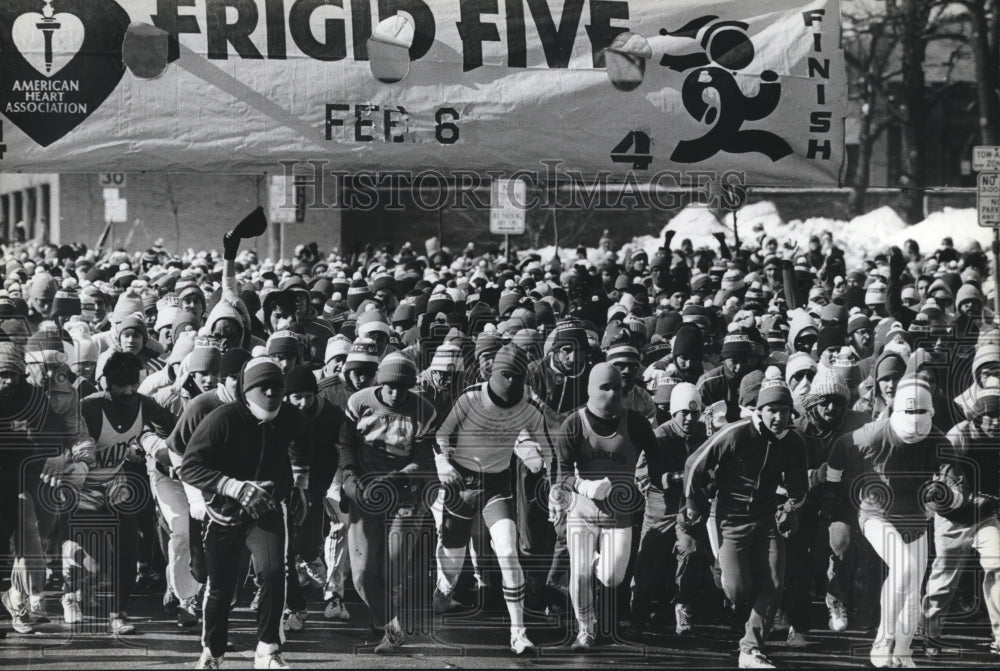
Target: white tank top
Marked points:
111	448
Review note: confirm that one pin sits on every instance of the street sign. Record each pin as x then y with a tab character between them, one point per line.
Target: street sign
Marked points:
508	199
112	179
280	202
988	199
986	158
116	211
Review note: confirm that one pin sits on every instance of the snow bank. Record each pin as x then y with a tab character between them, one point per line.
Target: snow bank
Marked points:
860	238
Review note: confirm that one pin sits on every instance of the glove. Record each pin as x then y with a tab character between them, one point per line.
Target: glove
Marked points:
397	480
446	472
672	479
787	519
529	452
558	503
53	469
134	453
252	496
986	505
230	246
351	487
298	506
334	499
85	452
689	517
597	490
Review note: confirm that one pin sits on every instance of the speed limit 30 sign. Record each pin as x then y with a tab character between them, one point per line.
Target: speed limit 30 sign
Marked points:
988	199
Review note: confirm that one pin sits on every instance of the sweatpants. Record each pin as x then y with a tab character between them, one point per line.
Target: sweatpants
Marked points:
381	545
752	559
797	593
173	506
19	528
266	540
955	544
543	554
335	554
671	556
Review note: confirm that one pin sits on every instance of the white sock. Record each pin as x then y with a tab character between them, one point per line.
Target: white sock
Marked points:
266	648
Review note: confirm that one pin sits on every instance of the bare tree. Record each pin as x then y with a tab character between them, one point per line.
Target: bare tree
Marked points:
886	43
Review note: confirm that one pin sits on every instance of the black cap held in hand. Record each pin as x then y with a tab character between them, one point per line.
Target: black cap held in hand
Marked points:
253	224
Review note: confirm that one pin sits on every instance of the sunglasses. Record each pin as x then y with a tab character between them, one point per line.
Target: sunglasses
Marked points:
809	374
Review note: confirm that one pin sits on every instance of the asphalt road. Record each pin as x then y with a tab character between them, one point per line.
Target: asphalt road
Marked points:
467	639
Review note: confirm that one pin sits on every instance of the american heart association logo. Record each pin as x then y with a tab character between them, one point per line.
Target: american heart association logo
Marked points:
60	59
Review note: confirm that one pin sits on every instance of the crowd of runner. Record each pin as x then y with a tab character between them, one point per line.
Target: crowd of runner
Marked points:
639	443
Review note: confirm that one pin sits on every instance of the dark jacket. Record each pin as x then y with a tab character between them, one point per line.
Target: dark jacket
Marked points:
232	442
749	463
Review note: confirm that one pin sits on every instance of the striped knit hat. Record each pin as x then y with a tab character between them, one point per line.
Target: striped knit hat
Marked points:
396	369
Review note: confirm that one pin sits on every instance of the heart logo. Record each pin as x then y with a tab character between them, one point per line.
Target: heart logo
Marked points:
59	61
48	43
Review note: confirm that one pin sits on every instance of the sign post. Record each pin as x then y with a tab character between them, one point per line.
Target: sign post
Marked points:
508	198
115	206
988	208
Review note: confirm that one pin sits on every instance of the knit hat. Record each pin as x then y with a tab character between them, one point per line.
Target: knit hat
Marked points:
11	358
300	380
623	353
206	357
283	342
511	358
913	394
890	365
487	343
336	346
136	322
357	294
798	362
876	293
182	347
750	387
737	344
987	400
404	314
66	303
688	342
773	389
363	351
508	303
128	303
80	351
261	372
398	370
371	321
858	322
834	314
967	292
448	359
831	336
827	383
232	361
685	396
183	321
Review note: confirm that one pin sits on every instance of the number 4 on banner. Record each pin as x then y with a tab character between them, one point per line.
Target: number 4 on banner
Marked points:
637	141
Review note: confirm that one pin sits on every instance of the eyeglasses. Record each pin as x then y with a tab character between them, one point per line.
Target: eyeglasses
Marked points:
808	373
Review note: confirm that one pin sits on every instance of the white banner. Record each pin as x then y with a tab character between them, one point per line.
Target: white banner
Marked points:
492	85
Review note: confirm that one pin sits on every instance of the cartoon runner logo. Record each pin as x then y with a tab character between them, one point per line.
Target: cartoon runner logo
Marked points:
59	61
725	48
